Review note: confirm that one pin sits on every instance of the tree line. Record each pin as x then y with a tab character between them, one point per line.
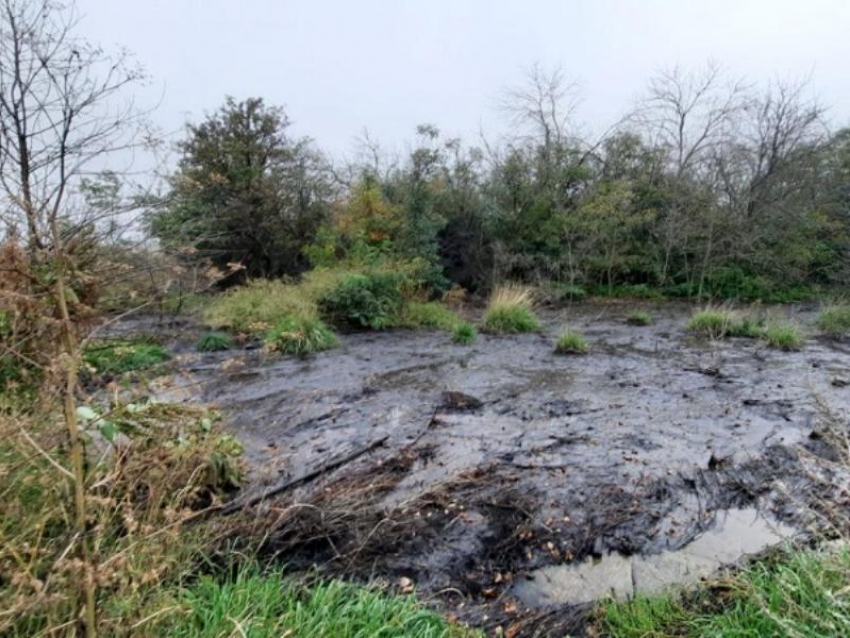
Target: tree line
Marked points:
708	186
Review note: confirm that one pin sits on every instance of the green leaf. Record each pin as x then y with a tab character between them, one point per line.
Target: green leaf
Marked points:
85	413
108	430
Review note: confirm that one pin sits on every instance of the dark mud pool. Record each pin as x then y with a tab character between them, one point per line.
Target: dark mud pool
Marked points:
514	487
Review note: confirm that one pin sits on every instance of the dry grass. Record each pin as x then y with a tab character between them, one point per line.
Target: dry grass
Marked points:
165	464
261	304
511	295
509	310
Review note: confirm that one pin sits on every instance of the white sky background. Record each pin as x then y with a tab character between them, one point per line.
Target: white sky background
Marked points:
339	66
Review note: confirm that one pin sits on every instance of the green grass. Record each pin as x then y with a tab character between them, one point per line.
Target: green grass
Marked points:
834	321
510	320
509	311
117	356
263	303
783	336
803	593
571	343
645	617
747	327
464	334
267	605
213	342
639	318
418	314
712	323
715	323
300	336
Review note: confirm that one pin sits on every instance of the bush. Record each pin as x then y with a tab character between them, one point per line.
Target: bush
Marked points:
629	291
464	334
571	343
712	323
639	318
117	357
569	292
171	462
509	311
371	301
417	314
261	304
213	342
783	336
300	336
834	321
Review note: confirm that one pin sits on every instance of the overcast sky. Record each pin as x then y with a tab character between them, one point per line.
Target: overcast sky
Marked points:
339	66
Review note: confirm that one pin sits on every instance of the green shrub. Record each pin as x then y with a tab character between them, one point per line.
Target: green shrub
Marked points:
171	461
261	303
300	336
117	357
569	292
10	372
711	323
365	301
681	290
464	334
509	310
417	314
213	342
783	336
834	321
571	343
639	318
629	291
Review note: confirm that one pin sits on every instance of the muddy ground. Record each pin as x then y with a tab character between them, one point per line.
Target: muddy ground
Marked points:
495	477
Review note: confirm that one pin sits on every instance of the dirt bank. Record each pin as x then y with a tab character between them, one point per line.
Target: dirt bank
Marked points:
470	469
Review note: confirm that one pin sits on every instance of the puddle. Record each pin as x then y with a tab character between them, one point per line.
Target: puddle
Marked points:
736	533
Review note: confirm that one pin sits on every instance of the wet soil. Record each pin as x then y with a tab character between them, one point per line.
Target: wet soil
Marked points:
494	477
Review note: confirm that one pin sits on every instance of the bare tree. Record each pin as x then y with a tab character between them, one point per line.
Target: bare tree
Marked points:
690	113
545	103
691	116
59	121
787	131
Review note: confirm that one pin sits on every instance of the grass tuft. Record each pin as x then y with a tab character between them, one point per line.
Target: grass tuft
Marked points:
639	318
418	314
300	336
118	356
712	323
509	311
464	334
834	321
571	343
747	327
213	342
783	336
